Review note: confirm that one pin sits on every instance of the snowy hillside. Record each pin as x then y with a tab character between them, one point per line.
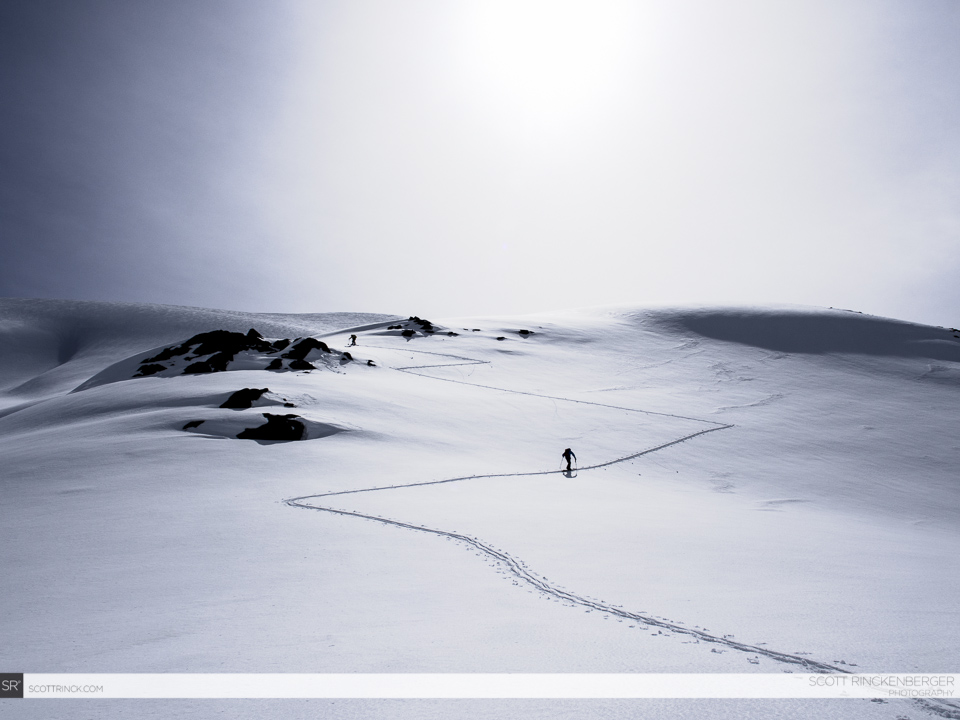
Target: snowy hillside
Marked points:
759	490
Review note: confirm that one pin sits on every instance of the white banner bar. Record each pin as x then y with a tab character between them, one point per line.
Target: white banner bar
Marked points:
492	686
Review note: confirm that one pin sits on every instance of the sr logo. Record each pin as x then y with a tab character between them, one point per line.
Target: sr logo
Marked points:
11	685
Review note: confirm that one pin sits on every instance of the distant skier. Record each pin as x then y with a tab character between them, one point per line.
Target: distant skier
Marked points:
353	341
568	455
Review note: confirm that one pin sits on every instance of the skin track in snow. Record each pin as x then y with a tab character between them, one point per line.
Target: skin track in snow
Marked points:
519	570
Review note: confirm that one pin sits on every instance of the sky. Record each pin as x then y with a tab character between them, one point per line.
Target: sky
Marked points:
446	157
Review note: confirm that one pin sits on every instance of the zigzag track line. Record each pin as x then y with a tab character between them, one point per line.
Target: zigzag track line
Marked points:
523	474
409	368
521	572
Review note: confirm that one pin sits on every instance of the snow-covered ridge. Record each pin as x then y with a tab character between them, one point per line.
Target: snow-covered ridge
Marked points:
45	345
221	351
758	487
815	331
48	347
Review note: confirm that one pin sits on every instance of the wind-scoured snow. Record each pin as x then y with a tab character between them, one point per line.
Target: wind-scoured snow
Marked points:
758	490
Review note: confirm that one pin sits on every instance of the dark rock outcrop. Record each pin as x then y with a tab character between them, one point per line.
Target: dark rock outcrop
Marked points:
221	345
300	364
151	369
280	428
425	325
414	326
215	363
301	349
243	399
214	351
215	341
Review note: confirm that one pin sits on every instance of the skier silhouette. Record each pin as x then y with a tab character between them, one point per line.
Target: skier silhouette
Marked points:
567	455
353	341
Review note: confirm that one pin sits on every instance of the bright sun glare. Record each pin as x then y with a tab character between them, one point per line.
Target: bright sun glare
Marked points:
542	64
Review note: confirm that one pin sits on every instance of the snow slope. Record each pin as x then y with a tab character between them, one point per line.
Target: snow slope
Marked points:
757	488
